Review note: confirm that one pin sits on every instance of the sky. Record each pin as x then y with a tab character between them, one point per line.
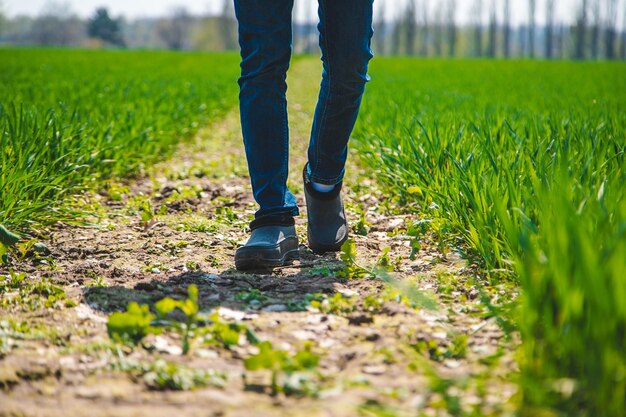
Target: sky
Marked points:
153	8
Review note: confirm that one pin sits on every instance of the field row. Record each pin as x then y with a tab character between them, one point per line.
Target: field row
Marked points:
517	166
520	166
72	119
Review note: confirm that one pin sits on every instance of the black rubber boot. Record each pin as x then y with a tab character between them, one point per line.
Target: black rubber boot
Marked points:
327	227
273	243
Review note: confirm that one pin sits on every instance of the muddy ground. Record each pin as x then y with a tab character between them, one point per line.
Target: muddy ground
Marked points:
383	349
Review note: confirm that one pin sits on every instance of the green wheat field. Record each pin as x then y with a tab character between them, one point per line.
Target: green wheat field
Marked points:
517	167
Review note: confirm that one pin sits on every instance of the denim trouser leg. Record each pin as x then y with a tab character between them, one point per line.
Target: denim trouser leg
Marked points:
345	37
265	41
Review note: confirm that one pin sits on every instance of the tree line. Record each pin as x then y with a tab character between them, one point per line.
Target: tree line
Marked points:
416	28
57	25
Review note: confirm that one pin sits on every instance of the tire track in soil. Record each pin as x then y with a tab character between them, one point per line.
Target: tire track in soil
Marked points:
365	355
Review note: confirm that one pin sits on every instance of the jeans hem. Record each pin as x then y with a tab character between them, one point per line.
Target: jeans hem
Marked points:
326	181
279	211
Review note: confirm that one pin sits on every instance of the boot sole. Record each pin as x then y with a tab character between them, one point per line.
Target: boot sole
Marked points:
322	248
251	257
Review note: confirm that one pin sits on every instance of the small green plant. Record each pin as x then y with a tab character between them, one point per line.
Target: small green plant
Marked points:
226	214
32	295
416	231
305	303
320	270
362	226
162	375
116	191
337	304
351	270
7	241
283	365
384	261
227	334
192	266
131	326
190	309
194	223
97	282
252	296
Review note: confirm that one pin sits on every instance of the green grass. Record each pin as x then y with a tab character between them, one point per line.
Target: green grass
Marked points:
71	119
521	165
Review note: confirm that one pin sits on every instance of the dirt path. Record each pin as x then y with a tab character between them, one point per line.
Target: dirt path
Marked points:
379	352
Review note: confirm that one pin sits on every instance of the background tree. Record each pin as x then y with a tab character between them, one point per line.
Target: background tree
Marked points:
452	29
478	27
101	26
410	27
610	28
550	5
228	26
438	31
380	31
396	35
57	25
581	28
595	28
507	28
532	10
493	27
426	27
3	20
174	31
623	46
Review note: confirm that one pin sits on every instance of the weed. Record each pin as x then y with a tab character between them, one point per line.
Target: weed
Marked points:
131	326
32	295
384	261
163	375
290	368
528	184
130	109
305	303
337	304
194	223
252	296
351	269
97	282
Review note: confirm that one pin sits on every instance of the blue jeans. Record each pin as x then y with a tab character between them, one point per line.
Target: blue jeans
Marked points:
265	39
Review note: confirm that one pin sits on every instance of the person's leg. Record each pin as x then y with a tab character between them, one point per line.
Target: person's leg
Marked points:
345	33
265	41
345	36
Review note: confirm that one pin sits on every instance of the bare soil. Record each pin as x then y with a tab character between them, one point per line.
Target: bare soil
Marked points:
371	362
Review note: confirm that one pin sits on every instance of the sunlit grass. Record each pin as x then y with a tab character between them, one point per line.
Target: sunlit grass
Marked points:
69	119
522	164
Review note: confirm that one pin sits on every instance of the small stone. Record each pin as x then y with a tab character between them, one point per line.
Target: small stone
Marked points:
209	277
8	377
275	308
360	319
206	354
162	345
67	362
227	313
347	292
472	294
372	337
304	335
452	364
374	369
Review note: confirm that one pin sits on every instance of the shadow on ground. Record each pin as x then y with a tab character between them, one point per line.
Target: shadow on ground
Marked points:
279	289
